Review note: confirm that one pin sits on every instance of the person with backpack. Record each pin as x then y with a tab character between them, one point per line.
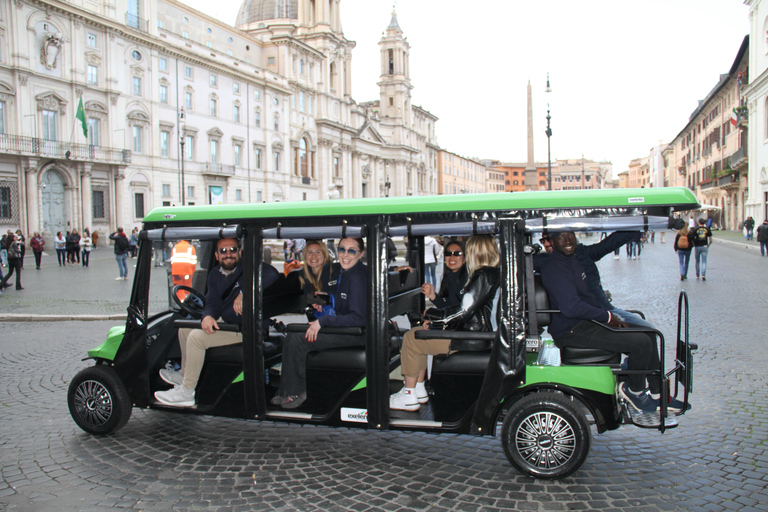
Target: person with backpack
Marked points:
702	239
121	253
13	246
682	246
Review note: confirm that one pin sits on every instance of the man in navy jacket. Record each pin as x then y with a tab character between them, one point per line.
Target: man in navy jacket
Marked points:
587	255
223	301
567	284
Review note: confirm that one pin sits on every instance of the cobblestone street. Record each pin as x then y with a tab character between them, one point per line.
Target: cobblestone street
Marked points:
717	459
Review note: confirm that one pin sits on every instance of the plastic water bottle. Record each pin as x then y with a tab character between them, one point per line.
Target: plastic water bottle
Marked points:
549	354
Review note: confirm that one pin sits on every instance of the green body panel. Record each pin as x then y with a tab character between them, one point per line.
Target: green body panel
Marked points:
108	349
594	378
679	198
360	385
239	378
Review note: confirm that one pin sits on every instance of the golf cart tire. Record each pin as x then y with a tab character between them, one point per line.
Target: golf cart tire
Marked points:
98	400
545	436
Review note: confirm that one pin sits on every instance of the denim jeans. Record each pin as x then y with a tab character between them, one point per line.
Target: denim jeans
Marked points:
685	259
429	269
701	260
122	265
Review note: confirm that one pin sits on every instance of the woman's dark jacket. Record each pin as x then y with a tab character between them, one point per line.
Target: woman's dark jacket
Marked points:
351	298
477	308
450	288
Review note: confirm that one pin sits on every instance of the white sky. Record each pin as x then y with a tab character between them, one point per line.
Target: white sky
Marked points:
625	74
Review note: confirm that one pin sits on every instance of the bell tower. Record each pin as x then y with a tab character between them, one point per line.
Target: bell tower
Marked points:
395	80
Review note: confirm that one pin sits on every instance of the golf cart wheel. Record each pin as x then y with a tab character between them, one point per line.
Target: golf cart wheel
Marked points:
98	401
545	436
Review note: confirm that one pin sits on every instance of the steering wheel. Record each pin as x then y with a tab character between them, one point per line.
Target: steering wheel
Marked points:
193	304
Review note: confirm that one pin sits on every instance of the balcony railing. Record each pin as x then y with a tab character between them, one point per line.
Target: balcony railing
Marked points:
215	168
22	145
739	158
728	179
138	23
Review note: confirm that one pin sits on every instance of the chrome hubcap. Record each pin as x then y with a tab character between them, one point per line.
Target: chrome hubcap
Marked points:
545	440
93	403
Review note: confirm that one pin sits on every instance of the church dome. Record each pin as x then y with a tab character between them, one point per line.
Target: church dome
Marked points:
259	10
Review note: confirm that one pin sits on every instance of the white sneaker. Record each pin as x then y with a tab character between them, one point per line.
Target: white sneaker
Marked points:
404	400
119	278
171	377
176	397
421	393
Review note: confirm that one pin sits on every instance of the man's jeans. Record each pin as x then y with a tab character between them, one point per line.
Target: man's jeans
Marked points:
701	260
122	265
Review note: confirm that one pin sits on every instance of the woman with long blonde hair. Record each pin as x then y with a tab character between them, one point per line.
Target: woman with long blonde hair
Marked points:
477	312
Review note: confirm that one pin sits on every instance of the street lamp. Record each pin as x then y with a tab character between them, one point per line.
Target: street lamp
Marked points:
548	90
181	155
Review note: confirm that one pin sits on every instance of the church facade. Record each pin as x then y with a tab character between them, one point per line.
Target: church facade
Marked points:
180	108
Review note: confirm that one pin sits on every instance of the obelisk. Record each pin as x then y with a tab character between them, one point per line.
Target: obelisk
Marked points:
531	175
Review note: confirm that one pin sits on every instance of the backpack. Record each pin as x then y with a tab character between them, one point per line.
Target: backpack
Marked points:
14	252
683	242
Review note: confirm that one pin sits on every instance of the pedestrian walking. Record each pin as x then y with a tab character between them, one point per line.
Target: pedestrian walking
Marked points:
94	239
432	253
70	247
133	242
702	239
85	247
3	250
14	261
76	246
60	244
37	244
121	253
683	245
749	225
762	237
22	245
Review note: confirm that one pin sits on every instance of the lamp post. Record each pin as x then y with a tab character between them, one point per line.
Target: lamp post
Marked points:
548	90
182	156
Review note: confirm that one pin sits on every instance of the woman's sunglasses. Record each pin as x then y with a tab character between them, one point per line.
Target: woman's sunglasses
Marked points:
225	250
349	251
448	254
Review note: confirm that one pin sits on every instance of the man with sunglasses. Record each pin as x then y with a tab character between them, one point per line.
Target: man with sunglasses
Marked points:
223	301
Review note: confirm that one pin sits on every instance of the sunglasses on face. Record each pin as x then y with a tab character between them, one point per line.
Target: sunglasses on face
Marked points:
448	254
225	250
545	240
349	251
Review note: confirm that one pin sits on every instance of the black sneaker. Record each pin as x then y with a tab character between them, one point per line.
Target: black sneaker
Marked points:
639	401
676	406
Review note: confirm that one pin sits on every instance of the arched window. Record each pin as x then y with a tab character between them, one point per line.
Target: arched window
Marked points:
303	158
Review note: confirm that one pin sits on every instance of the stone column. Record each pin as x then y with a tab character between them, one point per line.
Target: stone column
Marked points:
86	196
33	202
118	202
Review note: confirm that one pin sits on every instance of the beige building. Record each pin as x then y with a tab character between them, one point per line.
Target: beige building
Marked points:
580	174
709	155
494	180
638	175
459	175
184	109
